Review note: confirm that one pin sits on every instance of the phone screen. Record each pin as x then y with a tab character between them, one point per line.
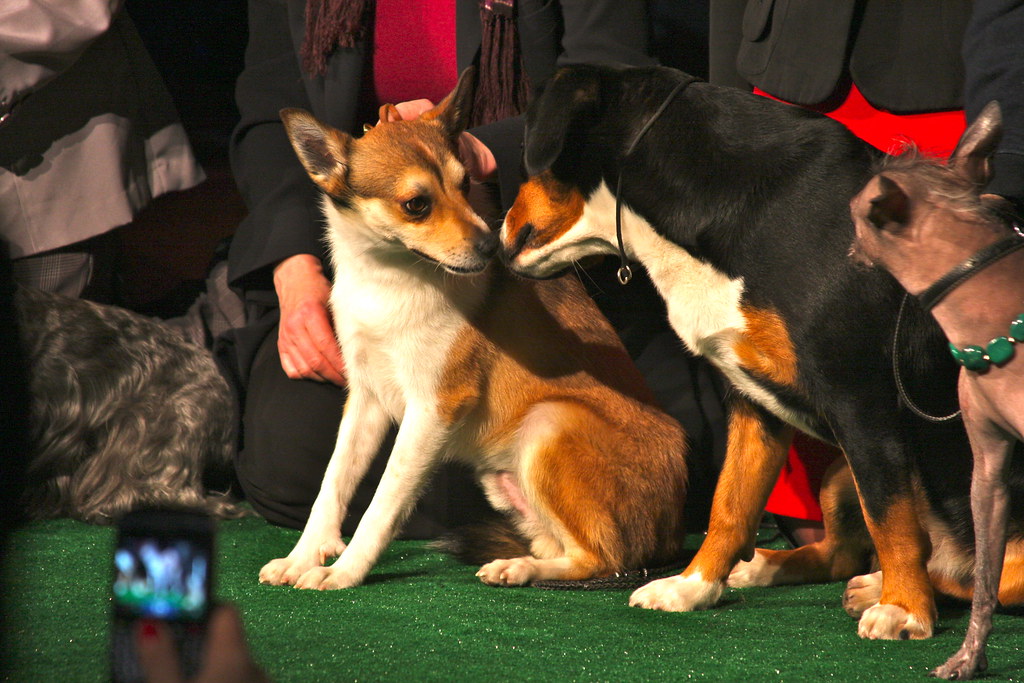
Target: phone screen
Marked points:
162	578
163	569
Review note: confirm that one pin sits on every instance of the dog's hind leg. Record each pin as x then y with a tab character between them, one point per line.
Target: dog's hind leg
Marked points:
990	505
567	500
845	551
755	453
363	427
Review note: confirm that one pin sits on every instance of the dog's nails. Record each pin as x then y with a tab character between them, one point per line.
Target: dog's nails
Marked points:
904	634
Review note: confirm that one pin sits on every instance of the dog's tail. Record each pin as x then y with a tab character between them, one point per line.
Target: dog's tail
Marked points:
483	542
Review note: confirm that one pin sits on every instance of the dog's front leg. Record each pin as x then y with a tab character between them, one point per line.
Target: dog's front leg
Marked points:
754	457
363	427
417	446
990	504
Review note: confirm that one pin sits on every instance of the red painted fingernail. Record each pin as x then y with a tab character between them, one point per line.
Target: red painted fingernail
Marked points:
148	629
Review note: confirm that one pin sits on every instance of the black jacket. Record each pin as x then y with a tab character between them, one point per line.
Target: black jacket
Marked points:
904	56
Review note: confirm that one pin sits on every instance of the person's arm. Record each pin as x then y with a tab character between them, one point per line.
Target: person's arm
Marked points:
994	64
278	249
40	39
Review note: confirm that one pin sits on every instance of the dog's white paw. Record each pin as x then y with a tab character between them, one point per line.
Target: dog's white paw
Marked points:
891	622
327	579
284	571
862	593
677	594
757	572
518	571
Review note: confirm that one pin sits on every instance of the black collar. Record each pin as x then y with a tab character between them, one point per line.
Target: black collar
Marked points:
930	297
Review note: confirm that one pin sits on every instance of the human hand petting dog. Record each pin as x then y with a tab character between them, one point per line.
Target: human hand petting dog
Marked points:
474	155
305	338
226	656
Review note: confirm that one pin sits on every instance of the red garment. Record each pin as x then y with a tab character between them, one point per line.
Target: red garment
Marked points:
936	134
414	50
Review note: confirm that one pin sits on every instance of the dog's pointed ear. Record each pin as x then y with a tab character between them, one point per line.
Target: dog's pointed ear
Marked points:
972	158
322	150
388	113
573	91
891	207
455	109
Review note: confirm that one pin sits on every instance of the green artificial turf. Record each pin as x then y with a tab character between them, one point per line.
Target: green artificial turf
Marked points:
423	616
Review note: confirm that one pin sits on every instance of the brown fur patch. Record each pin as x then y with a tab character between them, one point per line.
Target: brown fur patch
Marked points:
546	204
1011	584
754	457
765	348
903	547
605	470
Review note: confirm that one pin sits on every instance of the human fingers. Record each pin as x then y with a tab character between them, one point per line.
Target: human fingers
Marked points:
306	343
308	347
226	655
413	108
477	157
319	348
158	653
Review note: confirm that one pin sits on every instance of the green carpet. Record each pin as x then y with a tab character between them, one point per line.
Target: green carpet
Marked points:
423	616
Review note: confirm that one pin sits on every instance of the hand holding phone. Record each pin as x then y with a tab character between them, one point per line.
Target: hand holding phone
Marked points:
163	568
226	657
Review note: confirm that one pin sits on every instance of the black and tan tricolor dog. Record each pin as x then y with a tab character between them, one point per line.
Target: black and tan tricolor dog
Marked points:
738	207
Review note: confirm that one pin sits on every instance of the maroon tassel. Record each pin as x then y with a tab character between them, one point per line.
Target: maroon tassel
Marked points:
330	24
502	87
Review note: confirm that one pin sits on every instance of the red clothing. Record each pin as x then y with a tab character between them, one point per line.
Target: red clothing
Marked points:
936	134
414	50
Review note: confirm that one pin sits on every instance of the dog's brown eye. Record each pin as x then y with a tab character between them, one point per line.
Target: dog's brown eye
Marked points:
417	207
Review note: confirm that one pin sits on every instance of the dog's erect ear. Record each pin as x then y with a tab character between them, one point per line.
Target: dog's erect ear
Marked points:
454	110
389	113
573	91
321	149
972	158
890	206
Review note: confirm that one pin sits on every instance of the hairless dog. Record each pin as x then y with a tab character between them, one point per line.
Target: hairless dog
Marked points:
956	250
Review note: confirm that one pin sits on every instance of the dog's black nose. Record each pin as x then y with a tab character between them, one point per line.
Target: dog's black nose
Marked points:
487	245
522	237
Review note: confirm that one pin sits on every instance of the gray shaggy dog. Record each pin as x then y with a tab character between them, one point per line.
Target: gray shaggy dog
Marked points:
124	412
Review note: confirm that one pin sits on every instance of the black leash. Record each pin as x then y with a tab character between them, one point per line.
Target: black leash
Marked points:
904	396
935	293
625	273
631	579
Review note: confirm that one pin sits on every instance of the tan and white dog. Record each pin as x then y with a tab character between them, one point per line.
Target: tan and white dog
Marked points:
523	380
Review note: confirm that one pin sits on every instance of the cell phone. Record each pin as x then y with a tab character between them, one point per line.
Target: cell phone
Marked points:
163	569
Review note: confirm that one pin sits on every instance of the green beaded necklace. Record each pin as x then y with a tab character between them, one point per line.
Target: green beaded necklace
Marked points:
997	352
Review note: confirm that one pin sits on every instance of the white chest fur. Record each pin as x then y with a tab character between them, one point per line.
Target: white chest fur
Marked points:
704	305
396	317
